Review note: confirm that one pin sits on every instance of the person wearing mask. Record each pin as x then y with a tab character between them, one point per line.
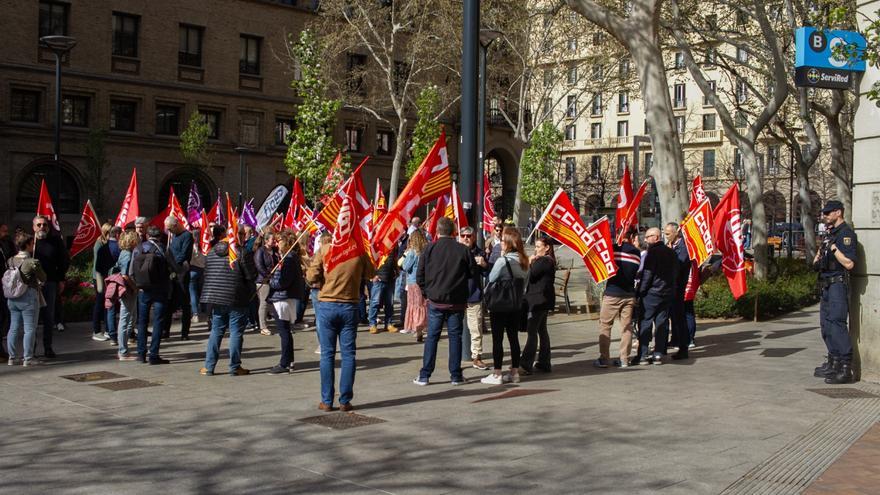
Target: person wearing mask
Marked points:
619	302
180	248
338	298
655	288
541	299
228	289
474	311
196	276
102	262
128	302
680	335
23	309
445	268
151	274
512	264
265	259
416	318
50	251
381	295
286	294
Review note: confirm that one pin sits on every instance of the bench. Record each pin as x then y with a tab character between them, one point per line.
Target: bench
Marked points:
562	277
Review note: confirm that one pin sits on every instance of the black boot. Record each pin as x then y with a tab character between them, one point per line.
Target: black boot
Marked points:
843	374
831	366
821	371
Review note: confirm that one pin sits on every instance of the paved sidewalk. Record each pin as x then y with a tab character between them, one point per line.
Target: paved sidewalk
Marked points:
681	428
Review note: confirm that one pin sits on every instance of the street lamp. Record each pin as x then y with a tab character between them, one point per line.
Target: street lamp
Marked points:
59	45
487	36
241	150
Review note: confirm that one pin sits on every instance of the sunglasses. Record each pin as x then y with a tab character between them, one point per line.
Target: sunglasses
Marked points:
42	225
466	236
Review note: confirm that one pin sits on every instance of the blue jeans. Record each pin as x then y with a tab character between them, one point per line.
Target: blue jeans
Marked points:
127	312
691	318
23	316
148	299
337	321
112	327
223	317
313	295
454	321
381	294
655	313
195	289
47	312
98	312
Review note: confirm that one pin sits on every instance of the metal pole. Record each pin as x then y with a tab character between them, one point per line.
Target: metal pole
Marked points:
469	70
790	201
240	179
57	107
481	146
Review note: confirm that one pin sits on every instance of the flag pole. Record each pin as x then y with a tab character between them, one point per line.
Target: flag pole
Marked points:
544	214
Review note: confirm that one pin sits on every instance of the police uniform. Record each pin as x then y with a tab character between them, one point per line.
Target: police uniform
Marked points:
834	287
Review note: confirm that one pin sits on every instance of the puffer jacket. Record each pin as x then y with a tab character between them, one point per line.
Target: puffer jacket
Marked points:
225	286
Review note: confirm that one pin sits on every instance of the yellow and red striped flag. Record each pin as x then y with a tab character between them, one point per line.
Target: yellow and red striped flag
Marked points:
697	232
231	231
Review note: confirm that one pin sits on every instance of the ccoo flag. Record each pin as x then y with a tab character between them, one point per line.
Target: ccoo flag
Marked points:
88	231
697	232
727	233
45	208
130	209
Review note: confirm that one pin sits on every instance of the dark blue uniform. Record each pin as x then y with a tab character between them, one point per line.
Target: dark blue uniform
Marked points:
681	337
834	286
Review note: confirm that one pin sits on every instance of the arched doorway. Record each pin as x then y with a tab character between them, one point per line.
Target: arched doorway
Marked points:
181	180
501	166
61	181
774	206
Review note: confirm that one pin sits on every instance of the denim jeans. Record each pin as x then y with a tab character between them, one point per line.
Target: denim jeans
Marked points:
47	312
338	321
655	316
23	316
148	299
301	310
313	295
195	289
691	318
127	313
223	317
454	320
381	294
98	312
112	314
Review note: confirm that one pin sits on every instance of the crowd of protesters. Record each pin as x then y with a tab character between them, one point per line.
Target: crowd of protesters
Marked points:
145	277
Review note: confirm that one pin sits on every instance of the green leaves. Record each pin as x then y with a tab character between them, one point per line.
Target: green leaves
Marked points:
194	141
427	129
539	164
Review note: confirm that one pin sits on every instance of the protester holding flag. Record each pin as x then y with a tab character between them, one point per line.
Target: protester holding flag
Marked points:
102	262
655	289
680	334
50	251
286	294
382	294
23	309
180	248
127	303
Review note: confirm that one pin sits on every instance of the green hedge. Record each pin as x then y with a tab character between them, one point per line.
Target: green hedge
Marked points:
78	297
792	289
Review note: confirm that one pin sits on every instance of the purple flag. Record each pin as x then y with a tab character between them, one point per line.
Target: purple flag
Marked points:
193	205
248	217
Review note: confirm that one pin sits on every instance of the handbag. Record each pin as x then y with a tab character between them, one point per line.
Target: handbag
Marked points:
504	295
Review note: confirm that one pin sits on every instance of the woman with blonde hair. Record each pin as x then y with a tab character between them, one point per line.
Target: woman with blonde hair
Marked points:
416	318
512	264
102	262
127	303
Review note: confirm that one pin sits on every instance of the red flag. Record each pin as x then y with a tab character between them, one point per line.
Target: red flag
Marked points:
430	181
380	205
130	209
624	199
215	216
437	213
88	231
348	239
592	244
205	235
305	220
333	181
460	218
176	211
698	194
327	216
630	216
231	231
159	220
727	233
277	222
45	208
696	230
296	201
488	207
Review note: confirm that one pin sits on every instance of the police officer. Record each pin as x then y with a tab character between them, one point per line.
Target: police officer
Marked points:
834	259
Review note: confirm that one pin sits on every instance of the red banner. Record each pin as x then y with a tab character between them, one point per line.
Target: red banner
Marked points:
459	216
327	216
88	231
176	211
232	231
130	208
45	208
698	194
624	199
488	206
727	233
349	240
697	232
205	236
631	215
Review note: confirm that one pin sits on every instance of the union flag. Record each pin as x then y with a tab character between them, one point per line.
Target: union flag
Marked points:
624	199
328	215
488	206
232	232
727	233
130	209
88	231
349	240
697	232
630	214
45	208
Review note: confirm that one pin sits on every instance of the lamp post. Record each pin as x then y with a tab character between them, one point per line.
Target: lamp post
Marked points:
487	36
59	45
467	150
241	150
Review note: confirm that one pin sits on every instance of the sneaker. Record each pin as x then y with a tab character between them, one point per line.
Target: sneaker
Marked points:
513	377
100	337
456	383
391	329
266	332
299	326
194	319
479	364
374	329
407	331
620	363
600	363
127	357
240	372
31	362
492	379
420	381
505	377
278	370
657	359
12	362
318	350
206	372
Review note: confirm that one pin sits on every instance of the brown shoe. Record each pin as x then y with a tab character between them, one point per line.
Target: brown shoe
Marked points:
325	407
346	407
240	372
374	329
205	372
420	338
390	329
480	365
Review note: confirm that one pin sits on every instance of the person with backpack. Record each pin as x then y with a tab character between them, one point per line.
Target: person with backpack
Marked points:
21	287
286	294
150	272
50	251
511	266
228	291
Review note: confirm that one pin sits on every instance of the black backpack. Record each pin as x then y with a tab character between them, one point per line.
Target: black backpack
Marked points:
150	269
505	295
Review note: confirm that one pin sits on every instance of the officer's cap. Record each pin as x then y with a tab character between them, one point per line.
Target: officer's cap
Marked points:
831	206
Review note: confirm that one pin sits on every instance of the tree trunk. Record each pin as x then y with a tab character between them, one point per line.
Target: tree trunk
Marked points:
839	168
807	220
755	191
517	199
397	163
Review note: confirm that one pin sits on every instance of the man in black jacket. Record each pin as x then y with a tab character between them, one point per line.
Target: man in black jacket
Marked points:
154	285
445	268
382	295
655	289
681	337
180	249
50	251
619	301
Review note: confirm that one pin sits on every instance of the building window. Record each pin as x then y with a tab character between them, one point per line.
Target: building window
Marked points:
75	111
737	163
598	72
712	87
622	164
680	96
571	106
709	122
354	139
548	78
759	157
679	60
60	182
355	66
190	51
711	56
623	68
679	124
249	59
596	104
622	128
53	18
708	163
212	118
595	166
384	143
739	119
547	107
572	76
25	106
570	132
122	115
597	38
772	160
125	34
623	102
742	91
596	130
167	120
570	168
742	55
283	128
572	44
